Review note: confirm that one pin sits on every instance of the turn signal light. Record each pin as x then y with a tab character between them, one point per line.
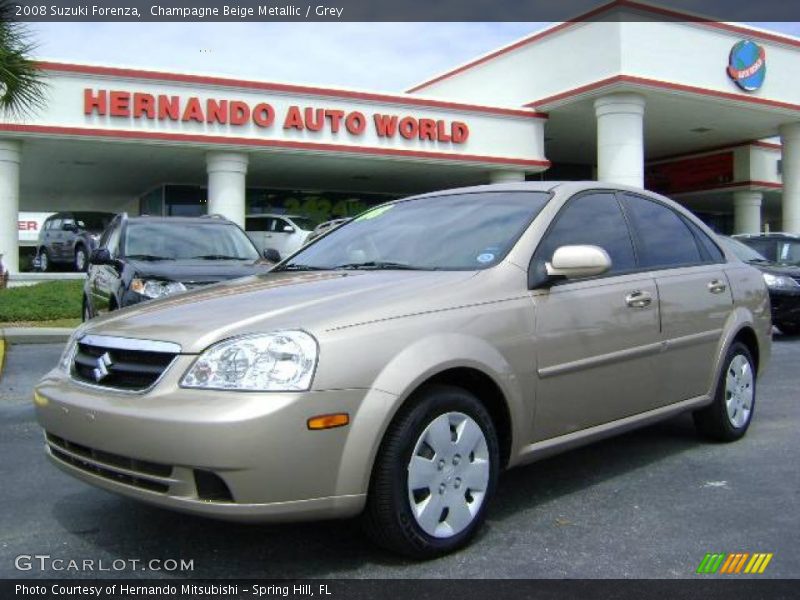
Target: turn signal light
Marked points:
328	421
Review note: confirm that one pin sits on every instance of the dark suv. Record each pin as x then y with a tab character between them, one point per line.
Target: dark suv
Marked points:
68	238
140	258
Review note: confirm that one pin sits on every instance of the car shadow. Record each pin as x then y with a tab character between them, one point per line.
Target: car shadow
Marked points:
120	528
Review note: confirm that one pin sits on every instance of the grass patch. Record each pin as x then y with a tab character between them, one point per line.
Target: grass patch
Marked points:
47	301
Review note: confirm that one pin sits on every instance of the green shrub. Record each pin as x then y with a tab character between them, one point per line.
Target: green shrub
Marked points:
42	302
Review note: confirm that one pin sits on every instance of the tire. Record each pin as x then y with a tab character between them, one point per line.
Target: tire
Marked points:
728	417
394	502
789	328
81	260
45	264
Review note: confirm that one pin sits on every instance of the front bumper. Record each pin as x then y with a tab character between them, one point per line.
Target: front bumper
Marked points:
159	446
785	306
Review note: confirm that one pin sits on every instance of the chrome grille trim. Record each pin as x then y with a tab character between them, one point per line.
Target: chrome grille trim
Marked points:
123	343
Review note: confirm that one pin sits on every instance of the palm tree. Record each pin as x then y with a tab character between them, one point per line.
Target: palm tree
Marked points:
22	85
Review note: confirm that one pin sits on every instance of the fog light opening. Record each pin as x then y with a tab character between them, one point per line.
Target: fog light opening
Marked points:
210	487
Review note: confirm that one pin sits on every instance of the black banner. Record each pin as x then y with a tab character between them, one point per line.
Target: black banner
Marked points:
461	589
398	10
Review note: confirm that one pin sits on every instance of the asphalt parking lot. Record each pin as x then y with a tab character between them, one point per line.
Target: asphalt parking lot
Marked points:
649	504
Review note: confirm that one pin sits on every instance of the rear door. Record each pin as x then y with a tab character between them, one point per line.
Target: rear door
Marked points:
596	338
103	280
256	229
695	298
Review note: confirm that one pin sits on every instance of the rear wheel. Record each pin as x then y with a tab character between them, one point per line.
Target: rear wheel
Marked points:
728	417
434	475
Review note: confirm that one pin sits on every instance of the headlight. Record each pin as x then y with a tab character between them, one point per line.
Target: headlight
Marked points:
65	362
780	282
156	288
280	361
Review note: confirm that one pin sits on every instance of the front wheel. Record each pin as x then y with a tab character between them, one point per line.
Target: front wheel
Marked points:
81	259
727	418
44	260
434	475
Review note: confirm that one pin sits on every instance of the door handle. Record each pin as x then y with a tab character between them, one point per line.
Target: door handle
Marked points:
716	286
638	299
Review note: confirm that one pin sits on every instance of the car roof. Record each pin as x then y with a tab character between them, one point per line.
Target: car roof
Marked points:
254	215
207	219
767	236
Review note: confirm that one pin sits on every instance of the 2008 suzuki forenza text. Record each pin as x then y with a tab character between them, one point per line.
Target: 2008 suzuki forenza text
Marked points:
393	367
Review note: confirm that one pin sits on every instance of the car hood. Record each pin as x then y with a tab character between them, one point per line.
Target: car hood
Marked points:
314	301
197	271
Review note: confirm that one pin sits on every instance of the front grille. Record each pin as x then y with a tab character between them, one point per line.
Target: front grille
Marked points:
137	473
113	363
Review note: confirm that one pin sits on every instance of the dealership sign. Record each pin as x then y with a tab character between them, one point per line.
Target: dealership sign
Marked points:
747	65
237	113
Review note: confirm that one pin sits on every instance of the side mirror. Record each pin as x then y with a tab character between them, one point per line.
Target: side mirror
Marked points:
272	255
572	262
100	256
288	229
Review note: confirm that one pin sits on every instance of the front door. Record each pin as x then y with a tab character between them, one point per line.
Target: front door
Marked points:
596	339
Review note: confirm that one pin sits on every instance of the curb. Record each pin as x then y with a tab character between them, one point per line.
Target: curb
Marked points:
2	356
35	335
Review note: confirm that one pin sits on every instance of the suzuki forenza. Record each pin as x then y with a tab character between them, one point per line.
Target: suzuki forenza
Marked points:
393	367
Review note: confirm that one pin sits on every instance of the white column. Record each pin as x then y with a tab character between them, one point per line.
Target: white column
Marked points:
747	212
10	157
790	161
506	176
226	185
620	139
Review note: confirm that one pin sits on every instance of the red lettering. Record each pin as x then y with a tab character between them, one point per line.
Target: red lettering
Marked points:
385	125
120	104
263	115
92	102
144	106
460	132
409	128
335	117
315	119
293	119
217	112
169	107
27	225
427	129
442	133
193	111
240	112
355	123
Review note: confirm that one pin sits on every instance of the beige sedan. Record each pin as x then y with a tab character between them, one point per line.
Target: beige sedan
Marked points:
394	367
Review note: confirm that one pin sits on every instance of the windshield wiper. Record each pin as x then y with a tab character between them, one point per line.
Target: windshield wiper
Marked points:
388	265
219	257
300	267
150	257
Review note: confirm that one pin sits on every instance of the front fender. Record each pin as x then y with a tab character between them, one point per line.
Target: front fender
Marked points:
403	375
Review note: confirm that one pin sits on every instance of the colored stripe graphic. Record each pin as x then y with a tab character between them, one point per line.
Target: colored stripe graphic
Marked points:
710	563
758	563
733	563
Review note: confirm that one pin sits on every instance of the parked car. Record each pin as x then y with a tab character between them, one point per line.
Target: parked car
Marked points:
780	248
327	226
783	283
68	238
141	258
395	366
284	233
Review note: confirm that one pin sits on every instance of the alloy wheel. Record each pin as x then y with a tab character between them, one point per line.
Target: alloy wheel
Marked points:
739	390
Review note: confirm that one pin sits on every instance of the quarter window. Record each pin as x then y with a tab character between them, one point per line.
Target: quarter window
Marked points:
664	239
594	219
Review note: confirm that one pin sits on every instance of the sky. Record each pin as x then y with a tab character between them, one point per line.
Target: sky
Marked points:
386	57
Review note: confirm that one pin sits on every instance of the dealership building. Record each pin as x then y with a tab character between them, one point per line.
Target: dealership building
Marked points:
706	112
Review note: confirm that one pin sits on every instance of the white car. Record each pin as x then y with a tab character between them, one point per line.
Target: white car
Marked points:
284	233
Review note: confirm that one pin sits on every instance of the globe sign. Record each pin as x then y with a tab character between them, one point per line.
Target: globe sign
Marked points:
747	65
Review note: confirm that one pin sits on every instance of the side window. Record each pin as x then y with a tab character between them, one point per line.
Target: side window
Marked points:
112	240
594	219
55	224
48	225
710	250
664	239
256	224
279	225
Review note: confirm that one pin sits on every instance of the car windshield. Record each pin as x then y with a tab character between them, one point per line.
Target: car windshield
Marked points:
94	222
185	240
741	251
454	232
